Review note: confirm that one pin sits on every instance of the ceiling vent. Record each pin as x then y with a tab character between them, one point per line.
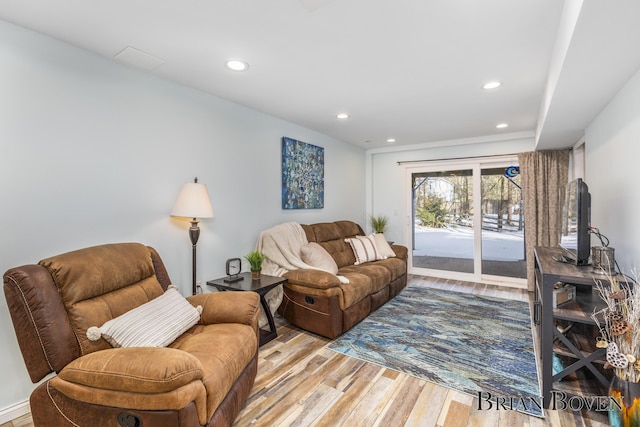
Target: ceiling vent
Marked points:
313	5
139	59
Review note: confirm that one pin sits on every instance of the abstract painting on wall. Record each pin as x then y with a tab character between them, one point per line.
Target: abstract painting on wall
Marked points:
302	175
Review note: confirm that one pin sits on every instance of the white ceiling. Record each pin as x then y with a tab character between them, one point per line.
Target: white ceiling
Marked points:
408	69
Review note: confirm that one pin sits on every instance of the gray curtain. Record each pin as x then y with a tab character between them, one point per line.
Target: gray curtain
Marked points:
544	178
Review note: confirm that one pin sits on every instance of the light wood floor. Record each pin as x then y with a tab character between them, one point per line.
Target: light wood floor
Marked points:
302	383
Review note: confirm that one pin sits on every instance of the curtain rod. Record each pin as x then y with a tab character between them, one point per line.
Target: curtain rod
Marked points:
462	158
454	158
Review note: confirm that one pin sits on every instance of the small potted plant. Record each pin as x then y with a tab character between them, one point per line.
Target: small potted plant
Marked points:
255	259
378	223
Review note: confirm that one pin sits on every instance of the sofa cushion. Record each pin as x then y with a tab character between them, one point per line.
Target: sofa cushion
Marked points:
317	256
378	274
90	272
396	266
331	235
325	231
224	350
348	228
99	283
358	288
156	323
340	251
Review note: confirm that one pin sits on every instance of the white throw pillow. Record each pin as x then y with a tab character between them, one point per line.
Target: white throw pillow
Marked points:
156	323
383	246
317	256
364	248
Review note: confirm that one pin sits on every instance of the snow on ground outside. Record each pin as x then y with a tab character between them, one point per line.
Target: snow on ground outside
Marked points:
458	243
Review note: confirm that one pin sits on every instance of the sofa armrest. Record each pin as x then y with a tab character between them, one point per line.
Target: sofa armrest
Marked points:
401	251
129	369
138	378
317	279
228	307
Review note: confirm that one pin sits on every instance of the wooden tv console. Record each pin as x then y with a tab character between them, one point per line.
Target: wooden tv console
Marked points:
547	319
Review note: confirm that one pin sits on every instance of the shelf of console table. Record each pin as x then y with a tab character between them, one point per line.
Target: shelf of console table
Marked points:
582	343
548	274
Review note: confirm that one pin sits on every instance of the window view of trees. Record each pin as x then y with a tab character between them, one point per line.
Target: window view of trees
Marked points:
501	202
444	200
433	211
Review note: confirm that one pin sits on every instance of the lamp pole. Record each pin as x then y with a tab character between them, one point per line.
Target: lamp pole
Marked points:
194	233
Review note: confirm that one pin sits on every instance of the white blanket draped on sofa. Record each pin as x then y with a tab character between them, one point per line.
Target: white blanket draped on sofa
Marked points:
278	244
281	246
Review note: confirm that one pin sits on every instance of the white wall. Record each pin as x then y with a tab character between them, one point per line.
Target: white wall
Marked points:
386	176
612	146
95	152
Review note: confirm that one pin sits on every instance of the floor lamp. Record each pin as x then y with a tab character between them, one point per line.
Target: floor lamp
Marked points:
193	202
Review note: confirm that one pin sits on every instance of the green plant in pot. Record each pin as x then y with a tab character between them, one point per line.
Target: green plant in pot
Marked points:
255	259
379	223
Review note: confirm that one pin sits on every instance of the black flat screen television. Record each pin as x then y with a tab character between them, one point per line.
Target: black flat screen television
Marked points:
575	223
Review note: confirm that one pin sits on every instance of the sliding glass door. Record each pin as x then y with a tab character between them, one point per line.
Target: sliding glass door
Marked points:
443	220
466	220
502	224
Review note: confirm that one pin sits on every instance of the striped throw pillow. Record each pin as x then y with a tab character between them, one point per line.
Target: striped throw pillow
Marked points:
156	323
364	248
383	246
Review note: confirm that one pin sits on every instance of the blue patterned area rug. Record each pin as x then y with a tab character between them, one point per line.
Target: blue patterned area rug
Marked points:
469	343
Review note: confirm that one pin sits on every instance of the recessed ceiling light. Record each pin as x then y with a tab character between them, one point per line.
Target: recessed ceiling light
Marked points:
342	116
237	65
491	85
390	140
502	125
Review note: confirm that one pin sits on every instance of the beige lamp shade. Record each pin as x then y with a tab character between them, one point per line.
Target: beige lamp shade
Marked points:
193	202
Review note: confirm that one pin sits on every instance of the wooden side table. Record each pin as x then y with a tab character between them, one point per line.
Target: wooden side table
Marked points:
261	287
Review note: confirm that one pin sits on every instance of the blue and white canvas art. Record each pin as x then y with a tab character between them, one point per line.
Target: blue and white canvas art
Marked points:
302	175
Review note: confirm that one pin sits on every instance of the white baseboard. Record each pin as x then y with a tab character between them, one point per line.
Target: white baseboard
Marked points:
14	411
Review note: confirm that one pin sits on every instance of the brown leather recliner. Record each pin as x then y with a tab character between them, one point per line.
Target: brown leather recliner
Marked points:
202	378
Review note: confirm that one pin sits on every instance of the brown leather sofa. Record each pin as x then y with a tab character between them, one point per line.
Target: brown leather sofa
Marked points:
202	378
318	302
